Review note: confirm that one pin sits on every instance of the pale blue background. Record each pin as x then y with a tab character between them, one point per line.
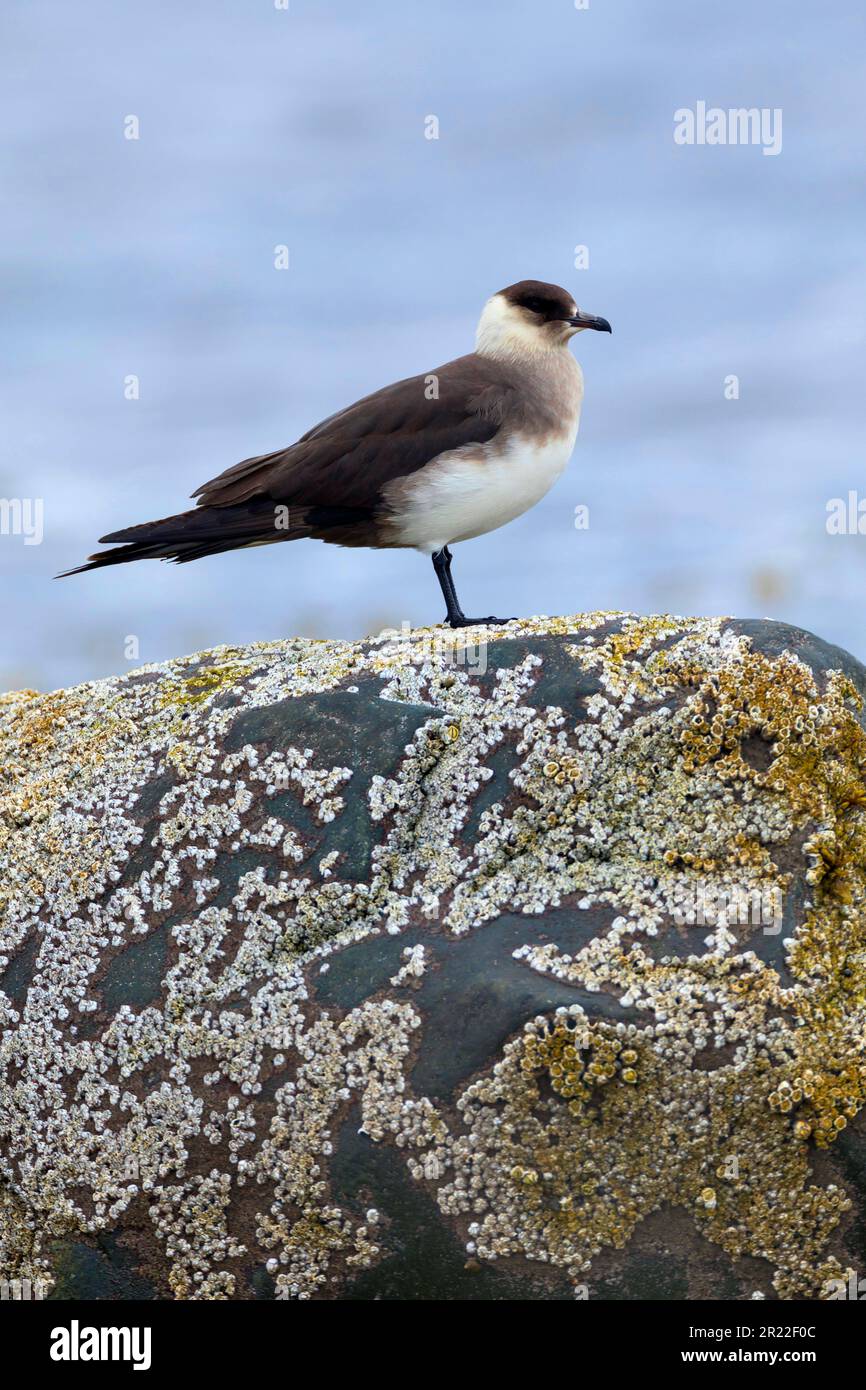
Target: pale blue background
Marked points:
260	127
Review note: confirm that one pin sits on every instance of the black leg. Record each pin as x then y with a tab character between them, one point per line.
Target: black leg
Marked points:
455	616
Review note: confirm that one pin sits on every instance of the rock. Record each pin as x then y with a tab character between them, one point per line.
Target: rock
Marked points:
418	969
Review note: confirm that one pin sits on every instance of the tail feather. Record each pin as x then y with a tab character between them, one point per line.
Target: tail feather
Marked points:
203	531
210	530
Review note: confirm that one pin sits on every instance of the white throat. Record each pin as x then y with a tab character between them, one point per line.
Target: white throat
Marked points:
504	332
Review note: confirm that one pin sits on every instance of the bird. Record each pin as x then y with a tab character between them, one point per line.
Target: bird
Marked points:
427	462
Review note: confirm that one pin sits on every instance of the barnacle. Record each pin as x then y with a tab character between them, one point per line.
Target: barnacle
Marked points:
690	784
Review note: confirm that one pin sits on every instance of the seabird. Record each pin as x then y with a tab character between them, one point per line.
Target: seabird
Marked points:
427	462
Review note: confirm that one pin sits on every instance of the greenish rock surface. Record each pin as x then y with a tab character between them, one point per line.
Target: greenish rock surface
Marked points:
515	963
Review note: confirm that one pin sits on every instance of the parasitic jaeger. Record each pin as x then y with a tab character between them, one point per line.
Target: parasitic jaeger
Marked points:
424	463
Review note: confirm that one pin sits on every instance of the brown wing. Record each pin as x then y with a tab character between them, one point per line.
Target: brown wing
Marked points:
347	459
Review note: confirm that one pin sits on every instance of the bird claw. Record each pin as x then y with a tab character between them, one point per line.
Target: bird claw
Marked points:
477	622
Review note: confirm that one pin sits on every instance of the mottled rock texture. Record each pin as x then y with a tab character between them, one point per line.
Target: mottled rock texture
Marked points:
413	969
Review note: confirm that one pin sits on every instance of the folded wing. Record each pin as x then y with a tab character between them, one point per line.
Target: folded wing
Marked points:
347	459
329	484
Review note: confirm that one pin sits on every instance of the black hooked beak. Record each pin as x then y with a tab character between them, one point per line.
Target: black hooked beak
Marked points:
582	320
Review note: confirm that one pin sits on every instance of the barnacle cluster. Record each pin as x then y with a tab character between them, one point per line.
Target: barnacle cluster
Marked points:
191	854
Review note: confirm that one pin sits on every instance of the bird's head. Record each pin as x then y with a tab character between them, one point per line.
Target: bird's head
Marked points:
531	316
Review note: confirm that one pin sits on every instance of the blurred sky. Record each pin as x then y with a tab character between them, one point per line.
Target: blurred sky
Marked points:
260	126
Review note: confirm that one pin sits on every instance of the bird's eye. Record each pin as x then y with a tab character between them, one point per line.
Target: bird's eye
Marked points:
537	306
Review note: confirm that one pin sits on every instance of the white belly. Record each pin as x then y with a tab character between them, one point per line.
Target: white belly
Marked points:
476	489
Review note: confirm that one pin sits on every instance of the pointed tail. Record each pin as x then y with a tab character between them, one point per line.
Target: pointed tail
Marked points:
202	531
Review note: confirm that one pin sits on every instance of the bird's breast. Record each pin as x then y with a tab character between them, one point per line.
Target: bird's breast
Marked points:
477	488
